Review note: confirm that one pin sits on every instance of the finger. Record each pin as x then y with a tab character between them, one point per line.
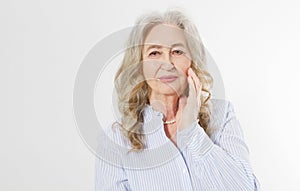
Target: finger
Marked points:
192	90
199	92
190	73
198	85
196	80
181	104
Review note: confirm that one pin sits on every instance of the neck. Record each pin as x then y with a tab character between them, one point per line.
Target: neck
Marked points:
166	104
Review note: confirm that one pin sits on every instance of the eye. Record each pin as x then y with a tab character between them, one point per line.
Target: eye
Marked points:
154	54
177	52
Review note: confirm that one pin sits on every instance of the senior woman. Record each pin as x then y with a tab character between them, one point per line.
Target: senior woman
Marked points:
172	135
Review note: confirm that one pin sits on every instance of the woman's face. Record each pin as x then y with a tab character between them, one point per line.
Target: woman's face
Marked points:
166	59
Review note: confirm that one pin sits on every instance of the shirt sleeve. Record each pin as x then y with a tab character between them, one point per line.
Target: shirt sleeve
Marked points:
109	177
222	164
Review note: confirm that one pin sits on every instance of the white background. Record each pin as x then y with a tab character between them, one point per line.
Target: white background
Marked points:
42	43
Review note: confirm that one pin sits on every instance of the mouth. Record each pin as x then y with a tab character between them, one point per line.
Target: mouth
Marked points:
168	78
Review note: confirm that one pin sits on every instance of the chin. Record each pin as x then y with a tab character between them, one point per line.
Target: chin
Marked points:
169	91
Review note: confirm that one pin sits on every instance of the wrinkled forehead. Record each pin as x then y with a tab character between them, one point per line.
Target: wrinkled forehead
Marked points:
165	35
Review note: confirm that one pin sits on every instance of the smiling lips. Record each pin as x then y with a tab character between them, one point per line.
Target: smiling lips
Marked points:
167	79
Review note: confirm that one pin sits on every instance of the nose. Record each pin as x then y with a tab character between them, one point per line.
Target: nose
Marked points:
166	60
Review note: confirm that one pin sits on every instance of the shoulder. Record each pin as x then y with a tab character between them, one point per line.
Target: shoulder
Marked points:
111	147
113	135
220	110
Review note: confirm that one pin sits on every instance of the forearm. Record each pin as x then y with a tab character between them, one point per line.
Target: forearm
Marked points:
210	163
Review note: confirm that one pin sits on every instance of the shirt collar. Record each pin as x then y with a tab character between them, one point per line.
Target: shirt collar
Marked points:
153	127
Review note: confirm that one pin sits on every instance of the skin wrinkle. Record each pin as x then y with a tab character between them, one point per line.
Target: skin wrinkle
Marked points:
165	53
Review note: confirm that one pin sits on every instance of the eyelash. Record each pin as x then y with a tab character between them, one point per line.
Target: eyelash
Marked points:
154	52
179	53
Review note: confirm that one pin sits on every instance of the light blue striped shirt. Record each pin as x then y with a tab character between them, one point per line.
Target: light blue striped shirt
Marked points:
199	162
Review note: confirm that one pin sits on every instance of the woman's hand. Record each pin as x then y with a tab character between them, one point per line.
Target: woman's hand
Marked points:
189	107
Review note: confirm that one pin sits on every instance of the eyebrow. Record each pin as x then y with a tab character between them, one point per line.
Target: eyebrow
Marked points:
153	46
160	46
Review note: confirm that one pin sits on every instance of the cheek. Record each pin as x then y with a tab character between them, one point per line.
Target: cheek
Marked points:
149	72
149	69
183	67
